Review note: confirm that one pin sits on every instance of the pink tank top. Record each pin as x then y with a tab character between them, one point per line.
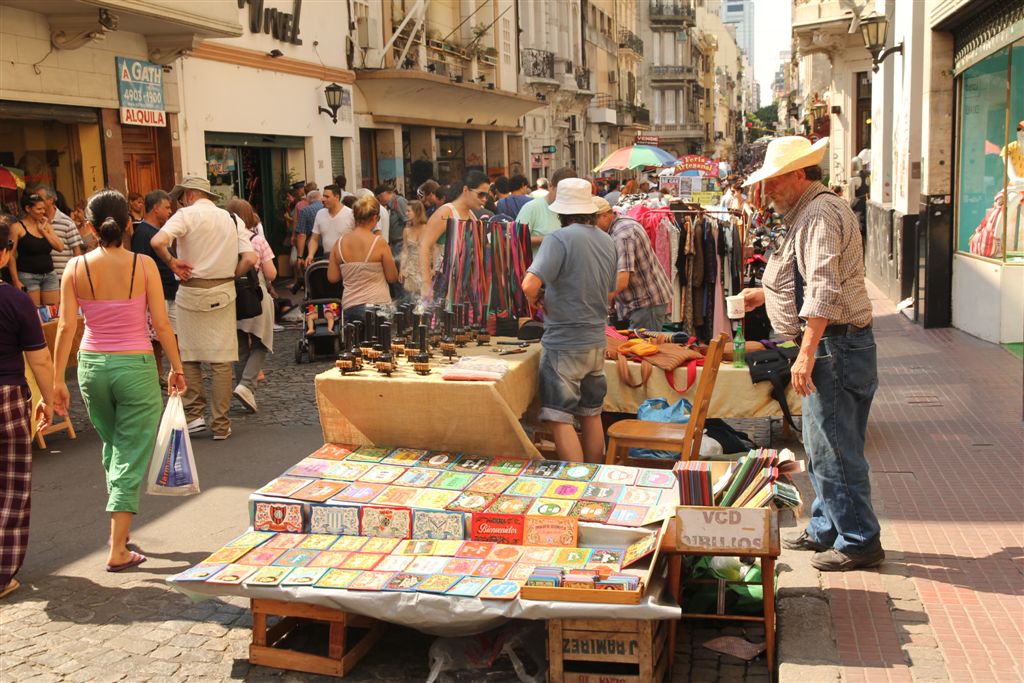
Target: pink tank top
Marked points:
113	324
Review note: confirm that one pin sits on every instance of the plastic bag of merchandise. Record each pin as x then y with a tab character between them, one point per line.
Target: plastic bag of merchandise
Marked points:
478	658
172	467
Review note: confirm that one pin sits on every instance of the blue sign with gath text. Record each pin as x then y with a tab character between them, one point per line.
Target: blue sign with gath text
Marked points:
140	89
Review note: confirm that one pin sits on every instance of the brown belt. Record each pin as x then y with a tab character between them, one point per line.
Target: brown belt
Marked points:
206	283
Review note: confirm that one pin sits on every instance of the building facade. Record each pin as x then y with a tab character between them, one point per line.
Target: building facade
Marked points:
940	117
739	14
90	94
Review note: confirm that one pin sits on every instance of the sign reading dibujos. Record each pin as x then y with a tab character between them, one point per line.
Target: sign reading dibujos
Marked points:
718	530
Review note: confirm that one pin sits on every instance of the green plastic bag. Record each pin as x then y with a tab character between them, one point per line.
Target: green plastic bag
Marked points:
740	598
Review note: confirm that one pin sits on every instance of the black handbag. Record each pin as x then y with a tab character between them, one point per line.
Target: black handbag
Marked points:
773	365
248	292
248	296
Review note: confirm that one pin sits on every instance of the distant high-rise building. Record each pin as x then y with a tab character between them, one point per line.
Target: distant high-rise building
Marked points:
740	14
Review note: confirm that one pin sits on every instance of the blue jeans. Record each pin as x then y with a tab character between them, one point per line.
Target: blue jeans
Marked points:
648	317
835	419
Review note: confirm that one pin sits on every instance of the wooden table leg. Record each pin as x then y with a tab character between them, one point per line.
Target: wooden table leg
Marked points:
768	587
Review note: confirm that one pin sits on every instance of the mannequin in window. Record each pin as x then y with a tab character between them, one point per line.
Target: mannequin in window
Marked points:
1013	154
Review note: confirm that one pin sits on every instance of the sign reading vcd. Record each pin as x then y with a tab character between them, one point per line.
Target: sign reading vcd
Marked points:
140	90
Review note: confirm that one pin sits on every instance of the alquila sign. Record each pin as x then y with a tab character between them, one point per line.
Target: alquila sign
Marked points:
283	26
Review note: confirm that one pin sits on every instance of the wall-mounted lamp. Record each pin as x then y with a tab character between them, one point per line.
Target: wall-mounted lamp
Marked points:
873	30
818	109
333	94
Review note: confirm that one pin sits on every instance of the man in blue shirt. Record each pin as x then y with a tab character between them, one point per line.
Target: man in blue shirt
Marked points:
576	267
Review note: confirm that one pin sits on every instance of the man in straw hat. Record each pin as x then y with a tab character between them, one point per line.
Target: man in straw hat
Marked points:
576	267
213	249
814	293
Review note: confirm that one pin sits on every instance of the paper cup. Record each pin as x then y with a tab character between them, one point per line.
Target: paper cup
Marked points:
734	306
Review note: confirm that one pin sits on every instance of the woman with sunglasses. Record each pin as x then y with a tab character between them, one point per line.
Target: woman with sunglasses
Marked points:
31	262
21	339
470	194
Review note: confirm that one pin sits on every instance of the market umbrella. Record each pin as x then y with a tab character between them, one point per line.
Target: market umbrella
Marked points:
636	156
11	178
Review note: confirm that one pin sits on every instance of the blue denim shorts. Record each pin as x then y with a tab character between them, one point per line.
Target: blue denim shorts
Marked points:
572	384
46	282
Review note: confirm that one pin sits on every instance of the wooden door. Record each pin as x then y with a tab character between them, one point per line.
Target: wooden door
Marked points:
141	158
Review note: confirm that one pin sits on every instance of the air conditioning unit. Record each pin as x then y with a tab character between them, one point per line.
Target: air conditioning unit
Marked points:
367	28
613	76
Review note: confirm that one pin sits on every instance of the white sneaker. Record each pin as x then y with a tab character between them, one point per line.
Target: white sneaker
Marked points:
222	437
245	395
197	425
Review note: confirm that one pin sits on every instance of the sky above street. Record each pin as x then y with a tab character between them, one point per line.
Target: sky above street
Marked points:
771	36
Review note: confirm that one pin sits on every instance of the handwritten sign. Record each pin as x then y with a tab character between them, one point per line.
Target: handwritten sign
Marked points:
723	530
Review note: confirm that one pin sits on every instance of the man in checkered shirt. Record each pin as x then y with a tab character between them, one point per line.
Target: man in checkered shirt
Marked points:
642	292
814	292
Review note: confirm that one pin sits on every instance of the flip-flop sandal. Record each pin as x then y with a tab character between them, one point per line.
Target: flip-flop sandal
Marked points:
137	559
11	587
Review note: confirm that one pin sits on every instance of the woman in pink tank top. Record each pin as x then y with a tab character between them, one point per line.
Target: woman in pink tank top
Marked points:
116	369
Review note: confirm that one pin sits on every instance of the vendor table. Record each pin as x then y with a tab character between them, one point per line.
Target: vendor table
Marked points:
429	412
484	417
735	396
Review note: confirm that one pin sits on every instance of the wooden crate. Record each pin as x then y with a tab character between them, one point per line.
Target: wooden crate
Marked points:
344	648
607	650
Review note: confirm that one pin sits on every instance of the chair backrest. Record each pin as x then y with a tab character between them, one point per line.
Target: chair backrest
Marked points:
702	399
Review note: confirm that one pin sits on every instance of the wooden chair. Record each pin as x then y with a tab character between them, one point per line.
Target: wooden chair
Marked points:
684	439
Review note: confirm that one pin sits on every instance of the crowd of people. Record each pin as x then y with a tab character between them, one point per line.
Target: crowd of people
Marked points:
155	279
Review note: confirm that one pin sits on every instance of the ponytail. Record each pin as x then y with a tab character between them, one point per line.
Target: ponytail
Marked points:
107	211
110	232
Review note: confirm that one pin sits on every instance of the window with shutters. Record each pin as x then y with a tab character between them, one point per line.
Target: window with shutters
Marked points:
337	157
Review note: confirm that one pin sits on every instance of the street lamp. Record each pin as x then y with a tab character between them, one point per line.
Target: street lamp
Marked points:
333	94
819	109
873	30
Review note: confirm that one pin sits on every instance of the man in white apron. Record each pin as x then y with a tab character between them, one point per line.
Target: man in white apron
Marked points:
212	250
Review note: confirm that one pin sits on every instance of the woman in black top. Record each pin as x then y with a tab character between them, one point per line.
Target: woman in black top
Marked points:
31	263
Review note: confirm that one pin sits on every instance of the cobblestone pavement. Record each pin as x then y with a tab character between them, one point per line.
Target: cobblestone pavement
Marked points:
945	607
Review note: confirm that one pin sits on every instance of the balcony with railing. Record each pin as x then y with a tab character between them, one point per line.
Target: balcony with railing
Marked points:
583	79
672	75
642	116
673	14
631	41
537	63
602	109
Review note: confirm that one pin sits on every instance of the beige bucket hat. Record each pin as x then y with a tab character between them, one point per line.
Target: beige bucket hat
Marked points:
192	182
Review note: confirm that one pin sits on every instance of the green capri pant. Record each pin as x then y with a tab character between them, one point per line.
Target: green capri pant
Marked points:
122	394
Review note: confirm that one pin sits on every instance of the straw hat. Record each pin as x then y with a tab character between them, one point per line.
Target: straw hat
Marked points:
788	154
192	182
574	196
601	205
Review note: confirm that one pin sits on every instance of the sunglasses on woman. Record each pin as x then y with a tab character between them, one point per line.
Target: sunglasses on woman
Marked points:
484	194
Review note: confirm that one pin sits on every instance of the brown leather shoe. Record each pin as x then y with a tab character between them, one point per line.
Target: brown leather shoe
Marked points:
803	542
833	560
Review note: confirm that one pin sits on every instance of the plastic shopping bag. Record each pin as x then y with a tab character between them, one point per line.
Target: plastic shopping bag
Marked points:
659	410
172	468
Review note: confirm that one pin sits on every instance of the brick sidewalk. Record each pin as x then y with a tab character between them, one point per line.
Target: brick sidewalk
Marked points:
948	605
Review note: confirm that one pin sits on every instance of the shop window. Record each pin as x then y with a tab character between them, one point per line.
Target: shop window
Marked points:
37	153
988	216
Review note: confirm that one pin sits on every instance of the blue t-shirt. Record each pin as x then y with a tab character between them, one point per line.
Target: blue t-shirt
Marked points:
513	204
577	265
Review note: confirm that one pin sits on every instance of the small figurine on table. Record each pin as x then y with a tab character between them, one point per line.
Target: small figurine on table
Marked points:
314	312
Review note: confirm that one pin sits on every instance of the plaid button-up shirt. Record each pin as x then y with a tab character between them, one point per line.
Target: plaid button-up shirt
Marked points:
648	283
825	244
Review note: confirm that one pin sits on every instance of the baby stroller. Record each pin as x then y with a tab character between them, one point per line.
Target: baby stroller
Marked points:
322	317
